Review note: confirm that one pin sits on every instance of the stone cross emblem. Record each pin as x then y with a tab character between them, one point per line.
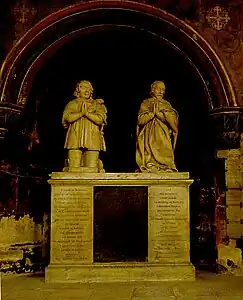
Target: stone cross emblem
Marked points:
217	17
23	13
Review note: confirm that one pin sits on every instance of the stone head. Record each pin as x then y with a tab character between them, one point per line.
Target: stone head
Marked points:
84	89
157	89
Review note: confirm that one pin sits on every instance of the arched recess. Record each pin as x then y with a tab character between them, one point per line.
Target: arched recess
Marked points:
36	65
13	83
41	41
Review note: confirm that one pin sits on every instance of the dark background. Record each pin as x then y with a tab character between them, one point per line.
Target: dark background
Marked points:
121	64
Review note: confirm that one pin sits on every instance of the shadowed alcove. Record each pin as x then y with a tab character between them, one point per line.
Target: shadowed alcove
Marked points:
121	63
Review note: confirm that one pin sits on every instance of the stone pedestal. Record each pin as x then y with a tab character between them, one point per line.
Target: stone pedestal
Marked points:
71	258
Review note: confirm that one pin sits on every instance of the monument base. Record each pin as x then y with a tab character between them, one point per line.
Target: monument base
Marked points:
119	272
72	228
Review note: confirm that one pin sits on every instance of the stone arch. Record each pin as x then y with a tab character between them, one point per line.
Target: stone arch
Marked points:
35	46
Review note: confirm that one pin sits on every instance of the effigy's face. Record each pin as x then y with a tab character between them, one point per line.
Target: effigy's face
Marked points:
85	90
158	90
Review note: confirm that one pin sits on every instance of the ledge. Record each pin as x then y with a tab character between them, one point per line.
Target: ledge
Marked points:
123	272
119	176
128	179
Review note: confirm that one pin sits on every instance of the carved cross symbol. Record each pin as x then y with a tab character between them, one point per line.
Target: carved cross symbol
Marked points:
22	10
218	17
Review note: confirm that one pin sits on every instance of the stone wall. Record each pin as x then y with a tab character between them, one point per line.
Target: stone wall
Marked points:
234	194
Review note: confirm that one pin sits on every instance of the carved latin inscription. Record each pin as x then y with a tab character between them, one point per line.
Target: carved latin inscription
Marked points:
168	224
72	224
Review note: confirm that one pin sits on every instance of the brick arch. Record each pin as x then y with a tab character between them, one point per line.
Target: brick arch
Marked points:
26	54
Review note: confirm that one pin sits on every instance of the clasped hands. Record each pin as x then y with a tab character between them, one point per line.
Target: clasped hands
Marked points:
157	112
83	111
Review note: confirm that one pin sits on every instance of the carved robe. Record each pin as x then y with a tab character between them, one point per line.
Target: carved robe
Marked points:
84	132
155	137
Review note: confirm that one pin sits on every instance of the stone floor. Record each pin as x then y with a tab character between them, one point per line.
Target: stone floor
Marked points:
207	286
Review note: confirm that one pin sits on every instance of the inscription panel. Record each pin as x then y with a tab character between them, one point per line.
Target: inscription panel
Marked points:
169	233
71	228
171	251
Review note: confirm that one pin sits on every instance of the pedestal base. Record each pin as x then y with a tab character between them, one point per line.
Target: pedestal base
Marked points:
72	228
80	170
119	272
